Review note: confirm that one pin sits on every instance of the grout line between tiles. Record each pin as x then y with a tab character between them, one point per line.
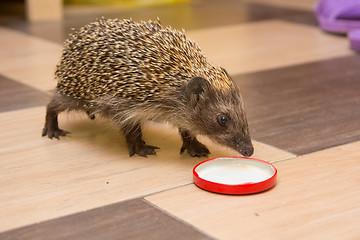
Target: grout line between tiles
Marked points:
284	160
164	190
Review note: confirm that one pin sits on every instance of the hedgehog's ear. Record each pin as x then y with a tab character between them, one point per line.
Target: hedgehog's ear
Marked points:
195	87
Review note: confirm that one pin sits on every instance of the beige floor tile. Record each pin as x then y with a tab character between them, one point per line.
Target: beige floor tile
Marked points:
36	70
268	44
303	4
42	178
17	43
317	197
28	59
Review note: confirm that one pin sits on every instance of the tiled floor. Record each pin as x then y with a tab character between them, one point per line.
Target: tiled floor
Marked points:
301	89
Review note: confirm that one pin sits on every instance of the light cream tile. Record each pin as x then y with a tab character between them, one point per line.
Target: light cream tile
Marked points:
17	43
28	59
36	70
42	178
44	11
267	44
317	197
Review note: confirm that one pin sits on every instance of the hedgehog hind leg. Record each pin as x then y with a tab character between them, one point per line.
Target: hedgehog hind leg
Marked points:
51	128
136	145
192	145
56	106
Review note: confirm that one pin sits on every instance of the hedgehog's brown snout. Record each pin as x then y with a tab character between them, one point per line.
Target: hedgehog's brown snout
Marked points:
247	150
244	147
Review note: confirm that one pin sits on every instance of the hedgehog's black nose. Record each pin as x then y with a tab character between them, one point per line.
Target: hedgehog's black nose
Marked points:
247	150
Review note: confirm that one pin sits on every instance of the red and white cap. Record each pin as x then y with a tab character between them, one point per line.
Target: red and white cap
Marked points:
234	175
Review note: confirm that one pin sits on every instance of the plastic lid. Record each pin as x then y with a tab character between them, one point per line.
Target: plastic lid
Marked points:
234	175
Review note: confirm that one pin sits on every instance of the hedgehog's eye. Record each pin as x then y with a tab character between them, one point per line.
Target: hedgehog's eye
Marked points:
222	120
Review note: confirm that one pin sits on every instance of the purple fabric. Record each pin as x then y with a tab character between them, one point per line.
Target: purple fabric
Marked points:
339	16
350	14
354	37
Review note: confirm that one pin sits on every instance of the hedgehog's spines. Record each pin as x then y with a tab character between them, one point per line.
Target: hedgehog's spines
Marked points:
137	61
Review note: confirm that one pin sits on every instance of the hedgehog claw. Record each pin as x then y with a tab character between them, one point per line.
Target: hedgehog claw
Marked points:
142	149
195	149
54	133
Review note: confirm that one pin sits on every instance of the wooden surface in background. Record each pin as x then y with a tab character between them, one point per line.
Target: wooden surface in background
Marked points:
133	219
15	95
91	167
307	107
44	10
316	197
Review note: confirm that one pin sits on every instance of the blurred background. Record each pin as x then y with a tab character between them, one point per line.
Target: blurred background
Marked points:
53	20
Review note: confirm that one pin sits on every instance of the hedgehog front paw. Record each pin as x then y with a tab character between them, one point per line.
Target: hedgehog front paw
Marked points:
54	132
195	148
141	149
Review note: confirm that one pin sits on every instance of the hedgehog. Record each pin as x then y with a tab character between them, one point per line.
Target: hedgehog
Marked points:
134	72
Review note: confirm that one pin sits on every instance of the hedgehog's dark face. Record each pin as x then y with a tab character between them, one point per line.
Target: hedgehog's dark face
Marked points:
219	114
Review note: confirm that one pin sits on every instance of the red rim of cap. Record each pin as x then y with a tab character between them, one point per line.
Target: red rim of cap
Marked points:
245	188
